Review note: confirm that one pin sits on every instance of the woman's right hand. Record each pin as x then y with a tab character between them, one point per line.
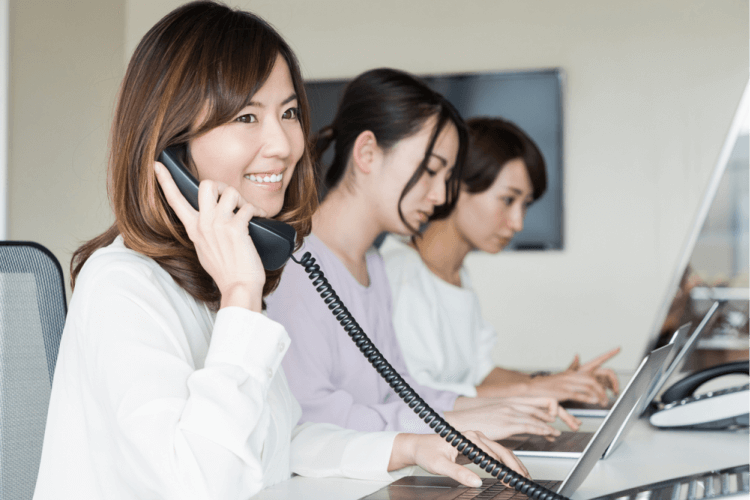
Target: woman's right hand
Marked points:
221	239
500	418
435	455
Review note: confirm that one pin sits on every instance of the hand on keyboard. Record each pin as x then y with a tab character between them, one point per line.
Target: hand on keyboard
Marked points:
500	418
435	455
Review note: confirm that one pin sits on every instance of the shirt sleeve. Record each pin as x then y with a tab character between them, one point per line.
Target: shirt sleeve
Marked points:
486	337
326	450
485	346
416	323
181	431
310	362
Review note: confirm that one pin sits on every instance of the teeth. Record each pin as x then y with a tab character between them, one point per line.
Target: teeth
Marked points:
266	178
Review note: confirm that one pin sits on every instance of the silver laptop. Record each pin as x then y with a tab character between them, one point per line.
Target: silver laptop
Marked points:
442	488
682	350
588	410
572	444
683	346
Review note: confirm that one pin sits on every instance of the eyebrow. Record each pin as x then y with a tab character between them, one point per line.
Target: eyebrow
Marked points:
261	105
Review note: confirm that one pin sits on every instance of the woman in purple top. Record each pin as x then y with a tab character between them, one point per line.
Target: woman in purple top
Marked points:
399	149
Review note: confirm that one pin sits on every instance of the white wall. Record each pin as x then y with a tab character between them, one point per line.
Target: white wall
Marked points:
652	86
4	98
66	66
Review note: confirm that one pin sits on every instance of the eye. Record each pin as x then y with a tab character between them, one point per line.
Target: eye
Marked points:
291	114
246	118
508	200
433	170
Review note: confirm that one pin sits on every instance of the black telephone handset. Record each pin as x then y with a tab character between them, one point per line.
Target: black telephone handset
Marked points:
687	386
713	410
274	240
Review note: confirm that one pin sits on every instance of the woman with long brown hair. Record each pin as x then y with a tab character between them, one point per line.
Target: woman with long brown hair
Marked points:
168	382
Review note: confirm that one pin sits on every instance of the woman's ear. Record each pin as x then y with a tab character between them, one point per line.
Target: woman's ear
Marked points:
365	151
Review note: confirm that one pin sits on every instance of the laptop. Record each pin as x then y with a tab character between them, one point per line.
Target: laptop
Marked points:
442	488
579	409
572	444
682	354
644	403
683	347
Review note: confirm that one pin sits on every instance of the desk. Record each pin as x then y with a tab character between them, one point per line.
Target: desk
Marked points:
647	455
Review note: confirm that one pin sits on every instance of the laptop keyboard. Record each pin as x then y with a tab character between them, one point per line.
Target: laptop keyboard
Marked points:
499	491
566	442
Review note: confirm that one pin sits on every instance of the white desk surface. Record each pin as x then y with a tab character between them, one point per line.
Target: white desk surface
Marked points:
647	455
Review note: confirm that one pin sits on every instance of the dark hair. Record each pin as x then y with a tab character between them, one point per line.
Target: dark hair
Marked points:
202	60
393	105
493	142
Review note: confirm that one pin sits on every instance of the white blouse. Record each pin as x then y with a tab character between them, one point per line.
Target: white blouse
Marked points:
154	396
445	340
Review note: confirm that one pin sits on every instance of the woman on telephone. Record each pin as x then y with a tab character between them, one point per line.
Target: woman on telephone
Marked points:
446	342
168	382
399	150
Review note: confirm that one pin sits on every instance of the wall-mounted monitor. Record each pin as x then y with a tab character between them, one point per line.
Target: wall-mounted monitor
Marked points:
531	99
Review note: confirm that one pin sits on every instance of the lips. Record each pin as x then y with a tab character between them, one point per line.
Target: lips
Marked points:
423	216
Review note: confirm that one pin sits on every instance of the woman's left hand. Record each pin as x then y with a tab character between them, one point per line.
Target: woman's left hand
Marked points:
435	455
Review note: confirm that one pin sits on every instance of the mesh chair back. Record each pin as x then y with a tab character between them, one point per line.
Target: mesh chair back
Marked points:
32	316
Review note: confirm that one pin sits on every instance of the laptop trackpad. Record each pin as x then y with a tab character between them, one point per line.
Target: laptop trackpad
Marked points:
420	488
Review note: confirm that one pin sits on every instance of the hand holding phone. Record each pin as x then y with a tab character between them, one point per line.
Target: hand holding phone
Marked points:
273	240
219	233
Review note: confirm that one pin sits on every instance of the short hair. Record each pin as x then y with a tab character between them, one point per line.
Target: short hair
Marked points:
493	142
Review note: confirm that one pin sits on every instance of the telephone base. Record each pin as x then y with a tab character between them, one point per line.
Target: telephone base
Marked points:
714	410
737	422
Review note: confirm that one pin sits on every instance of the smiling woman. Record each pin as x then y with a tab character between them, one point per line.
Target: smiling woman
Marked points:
257	151
168	381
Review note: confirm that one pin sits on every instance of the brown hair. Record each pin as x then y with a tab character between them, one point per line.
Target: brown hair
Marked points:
202	59
493	142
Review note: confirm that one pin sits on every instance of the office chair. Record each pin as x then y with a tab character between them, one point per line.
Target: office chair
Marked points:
32	316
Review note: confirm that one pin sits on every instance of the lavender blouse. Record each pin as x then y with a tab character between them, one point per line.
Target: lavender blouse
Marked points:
327	373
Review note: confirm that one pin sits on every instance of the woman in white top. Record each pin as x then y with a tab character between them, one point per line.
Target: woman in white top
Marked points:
168	382
446	341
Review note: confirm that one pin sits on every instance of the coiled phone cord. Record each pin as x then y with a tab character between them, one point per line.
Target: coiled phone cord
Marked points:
411	398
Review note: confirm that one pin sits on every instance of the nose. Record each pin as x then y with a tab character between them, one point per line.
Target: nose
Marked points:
436	194
515	221
276	142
